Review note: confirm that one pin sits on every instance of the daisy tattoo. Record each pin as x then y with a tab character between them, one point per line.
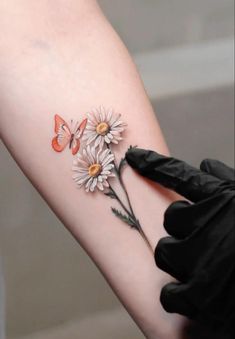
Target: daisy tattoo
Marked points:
95	164
92	168
103	127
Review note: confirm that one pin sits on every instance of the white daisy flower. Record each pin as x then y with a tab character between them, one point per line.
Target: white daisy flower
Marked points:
92	168
103	126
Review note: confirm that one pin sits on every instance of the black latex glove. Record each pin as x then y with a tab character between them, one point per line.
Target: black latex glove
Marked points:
200	253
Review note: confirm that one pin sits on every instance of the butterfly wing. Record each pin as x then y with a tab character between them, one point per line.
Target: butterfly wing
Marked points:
75	146
63	134
80	129
77	135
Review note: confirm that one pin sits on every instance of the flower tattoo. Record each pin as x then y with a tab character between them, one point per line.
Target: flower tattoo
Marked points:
95	164
92	168
103	126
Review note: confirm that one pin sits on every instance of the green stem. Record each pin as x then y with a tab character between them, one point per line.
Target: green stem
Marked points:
132	217
124	188
144	237
121	203
130	213
122	183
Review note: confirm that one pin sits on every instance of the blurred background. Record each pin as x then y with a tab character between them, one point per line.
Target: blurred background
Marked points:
184	52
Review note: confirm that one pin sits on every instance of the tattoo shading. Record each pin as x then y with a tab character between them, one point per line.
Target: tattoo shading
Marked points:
95	165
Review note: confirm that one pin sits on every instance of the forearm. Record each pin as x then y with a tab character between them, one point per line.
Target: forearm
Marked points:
66	59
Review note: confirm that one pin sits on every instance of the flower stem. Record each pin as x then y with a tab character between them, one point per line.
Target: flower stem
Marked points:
133	218
130	213
124	188
140	229
121	203
121	182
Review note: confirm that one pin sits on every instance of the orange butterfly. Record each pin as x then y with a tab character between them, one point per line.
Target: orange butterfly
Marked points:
64	136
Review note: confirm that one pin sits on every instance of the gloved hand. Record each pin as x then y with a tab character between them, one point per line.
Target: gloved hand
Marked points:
200	253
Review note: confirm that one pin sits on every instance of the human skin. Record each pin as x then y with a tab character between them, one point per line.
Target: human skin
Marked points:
64	58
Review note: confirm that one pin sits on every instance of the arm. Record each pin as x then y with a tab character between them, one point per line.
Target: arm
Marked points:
66	59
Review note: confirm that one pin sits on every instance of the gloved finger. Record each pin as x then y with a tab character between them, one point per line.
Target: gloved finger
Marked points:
171	258
175	174
181	218
218	169
174	300
178	219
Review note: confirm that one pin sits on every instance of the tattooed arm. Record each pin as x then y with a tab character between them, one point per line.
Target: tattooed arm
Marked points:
65	59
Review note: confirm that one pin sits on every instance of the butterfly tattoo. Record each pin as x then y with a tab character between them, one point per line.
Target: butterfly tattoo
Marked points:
67	135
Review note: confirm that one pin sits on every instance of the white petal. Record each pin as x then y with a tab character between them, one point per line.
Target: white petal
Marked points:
107	160
105	173
113	132
100	179
90	156
98	140
116	118
118	138
86	132
85	136
89	182
113	118
119	129
97	115
100	186
105	165
78	177
114	141
92	118
110	136
91	138
90	127
100	115
79	169
108	167
105	183
93	113
79	166
92	187
82	163
103	113
106	138
109	115
98	155
79	156
118	123
104	154
82	181
84	153
93	152
102	142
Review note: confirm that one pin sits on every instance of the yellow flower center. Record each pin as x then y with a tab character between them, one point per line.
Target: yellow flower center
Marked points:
102	128
94	170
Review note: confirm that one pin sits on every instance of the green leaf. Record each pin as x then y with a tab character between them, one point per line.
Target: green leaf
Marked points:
111	195
123	217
